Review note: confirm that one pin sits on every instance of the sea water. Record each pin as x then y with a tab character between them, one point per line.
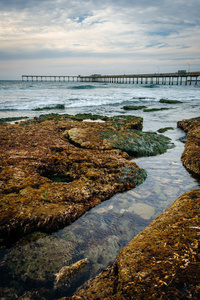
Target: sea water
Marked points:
28	268
31	99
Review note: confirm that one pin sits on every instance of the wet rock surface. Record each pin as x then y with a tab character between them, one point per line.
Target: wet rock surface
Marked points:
191	154
161	262
54	168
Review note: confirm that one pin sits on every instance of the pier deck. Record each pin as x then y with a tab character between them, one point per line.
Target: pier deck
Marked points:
157	78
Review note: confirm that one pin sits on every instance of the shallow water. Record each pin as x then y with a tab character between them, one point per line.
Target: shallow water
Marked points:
29	267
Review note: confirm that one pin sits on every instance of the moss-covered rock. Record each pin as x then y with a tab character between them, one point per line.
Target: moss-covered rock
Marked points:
137	143
161	262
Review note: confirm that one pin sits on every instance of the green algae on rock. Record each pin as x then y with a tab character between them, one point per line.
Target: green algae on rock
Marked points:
161	262
137	143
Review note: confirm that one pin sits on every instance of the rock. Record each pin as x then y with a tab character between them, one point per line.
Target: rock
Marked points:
39	260
170	101
137	143
69	271
191	154
161	130
101	255
134	194
143	210
156	109
161	262
54	168
133	107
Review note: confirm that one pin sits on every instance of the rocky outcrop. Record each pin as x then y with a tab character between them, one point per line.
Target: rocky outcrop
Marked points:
191	154
56	167
161	262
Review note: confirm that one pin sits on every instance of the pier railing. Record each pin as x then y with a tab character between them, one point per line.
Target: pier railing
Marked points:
156	78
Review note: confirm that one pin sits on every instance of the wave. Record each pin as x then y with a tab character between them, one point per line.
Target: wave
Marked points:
9	109
143	98
58	106
82	87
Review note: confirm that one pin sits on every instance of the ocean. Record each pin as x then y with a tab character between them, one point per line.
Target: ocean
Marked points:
31	99
28	268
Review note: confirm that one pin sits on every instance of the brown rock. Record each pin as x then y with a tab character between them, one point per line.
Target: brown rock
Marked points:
53	171
191	154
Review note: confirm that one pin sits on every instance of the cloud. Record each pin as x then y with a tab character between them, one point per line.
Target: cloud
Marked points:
130	29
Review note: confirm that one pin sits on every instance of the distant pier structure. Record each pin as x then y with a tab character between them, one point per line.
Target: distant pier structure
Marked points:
178	78
48	78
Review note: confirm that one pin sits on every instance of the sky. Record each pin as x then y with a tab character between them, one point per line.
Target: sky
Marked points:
83	37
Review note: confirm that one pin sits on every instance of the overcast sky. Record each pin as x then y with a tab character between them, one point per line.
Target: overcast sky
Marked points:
72	37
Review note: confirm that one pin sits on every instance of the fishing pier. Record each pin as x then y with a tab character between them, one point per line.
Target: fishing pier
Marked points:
177	78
